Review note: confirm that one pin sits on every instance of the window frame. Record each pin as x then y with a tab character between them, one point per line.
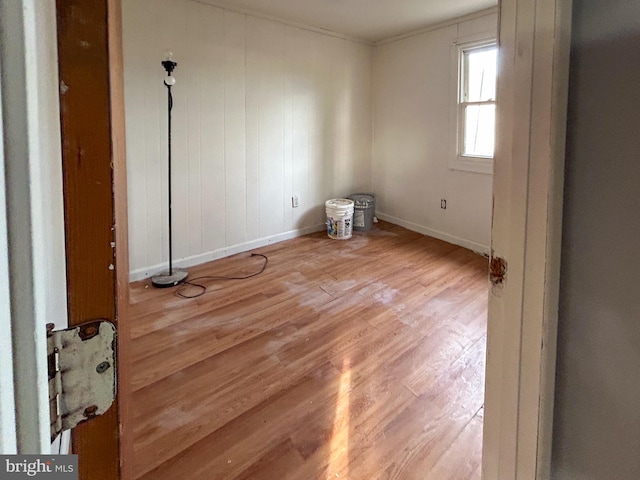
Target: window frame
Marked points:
458	160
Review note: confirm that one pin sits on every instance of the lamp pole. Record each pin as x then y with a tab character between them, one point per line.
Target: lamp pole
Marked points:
174	276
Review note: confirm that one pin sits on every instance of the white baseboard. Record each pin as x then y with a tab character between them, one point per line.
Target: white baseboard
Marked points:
463	242
146	272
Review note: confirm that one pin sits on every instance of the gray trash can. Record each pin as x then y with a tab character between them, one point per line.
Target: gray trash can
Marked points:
364	210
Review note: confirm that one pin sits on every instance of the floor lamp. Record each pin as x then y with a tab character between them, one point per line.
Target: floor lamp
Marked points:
173	276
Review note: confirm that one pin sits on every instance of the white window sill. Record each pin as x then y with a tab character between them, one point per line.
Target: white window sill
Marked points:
472	164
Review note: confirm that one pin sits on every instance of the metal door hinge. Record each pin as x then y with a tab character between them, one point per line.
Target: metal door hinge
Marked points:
82	373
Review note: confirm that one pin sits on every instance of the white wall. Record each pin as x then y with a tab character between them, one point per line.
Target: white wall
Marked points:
263	111
413	92
597	419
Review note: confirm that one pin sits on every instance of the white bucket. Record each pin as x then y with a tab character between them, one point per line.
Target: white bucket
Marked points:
339	218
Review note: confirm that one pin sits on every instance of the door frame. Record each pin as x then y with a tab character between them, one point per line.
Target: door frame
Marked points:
91	95
535	39
528	179
32	231
8	442
33	215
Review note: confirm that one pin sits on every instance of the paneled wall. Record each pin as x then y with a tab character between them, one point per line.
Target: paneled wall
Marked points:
414	88
262	111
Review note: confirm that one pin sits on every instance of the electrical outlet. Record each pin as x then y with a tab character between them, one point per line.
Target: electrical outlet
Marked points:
443	204
295	201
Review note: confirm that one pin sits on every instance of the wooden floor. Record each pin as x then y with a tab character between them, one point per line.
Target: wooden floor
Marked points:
359	359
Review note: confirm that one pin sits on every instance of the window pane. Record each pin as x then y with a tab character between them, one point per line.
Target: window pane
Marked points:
481	74
479	130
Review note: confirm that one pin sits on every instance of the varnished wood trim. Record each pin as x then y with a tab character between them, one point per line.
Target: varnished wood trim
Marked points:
87	153
116	84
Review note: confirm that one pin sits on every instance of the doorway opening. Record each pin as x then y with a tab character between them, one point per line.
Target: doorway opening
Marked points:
266	111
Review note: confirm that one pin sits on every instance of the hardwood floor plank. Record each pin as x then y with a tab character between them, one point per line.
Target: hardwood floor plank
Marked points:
362	359
429	425
462	460
239	444
274	464
208	334
269	290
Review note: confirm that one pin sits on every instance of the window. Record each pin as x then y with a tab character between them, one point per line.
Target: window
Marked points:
478	101
476	66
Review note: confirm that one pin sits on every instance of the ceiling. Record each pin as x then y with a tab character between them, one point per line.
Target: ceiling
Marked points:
370	20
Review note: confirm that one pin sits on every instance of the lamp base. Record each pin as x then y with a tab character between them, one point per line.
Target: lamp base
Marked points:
164	280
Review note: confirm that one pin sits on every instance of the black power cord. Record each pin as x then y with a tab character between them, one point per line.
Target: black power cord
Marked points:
191	283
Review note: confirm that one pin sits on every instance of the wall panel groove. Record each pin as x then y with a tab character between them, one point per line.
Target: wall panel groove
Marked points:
263	111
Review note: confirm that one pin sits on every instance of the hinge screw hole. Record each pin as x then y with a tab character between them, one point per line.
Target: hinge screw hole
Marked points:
103	367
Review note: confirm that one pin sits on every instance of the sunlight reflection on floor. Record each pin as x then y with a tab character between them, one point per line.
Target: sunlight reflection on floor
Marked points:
339	451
